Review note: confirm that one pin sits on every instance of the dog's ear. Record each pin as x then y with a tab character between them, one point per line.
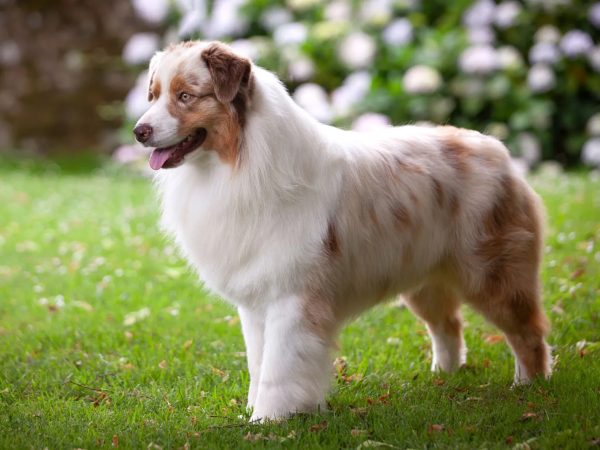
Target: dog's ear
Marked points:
229	72
151	69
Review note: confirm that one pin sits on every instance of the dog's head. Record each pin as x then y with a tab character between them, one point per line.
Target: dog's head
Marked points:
199	94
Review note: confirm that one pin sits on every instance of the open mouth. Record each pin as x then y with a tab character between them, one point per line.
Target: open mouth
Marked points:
167	157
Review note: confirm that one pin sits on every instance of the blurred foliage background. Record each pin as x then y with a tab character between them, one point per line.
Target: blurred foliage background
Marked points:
527	71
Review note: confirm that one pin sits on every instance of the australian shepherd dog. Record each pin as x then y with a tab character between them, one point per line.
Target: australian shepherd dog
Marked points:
302	226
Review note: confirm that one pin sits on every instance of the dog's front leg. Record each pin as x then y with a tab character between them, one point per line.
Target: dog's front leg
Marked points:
296	365
253	328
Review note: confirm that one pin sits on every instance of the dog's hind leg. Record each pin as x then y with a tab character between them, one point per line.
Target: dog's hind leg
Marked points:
504	283
518	313
439	307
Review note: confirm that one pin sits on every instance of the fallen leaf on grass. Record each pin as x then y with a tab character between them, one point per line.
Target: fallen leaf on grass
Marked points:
438	382
271	437
136	316
318	426
435	428
374	444
528	416
359	411
220	373
83	305
115	440
350	378
509	440
356	432
577	273
187	344
162	364
493	338
253	437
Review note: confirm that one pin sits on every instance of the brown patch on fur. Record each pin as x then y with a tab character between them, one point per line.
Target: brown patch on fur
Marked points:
319	315
228	71
511	244
438	191
401	216
509	291
373	215
154	91
456	153
221	121
332	247
454	205
453	325
407	166
437	304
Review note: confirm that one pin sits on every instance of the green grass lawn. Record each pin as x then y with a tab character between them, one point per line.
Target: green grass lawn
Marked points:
106	339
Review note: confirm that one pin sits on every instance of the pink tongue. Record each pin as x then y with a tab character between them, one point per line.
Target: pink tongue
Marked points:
159	157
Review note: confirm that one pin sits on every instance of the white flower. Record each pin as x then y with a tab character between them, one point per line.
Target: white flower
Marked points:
140	47
594	14
576	43
226	19
509	57
479	59
273	17
529	148
245	47
594	58
191	22
481	14
506	14
351	92
370	122
540	78
357	50
136	102
10	54
590	154
338	10
544	52
301	68
547	33
481	35
421	80
313	99
152	11
290	34
399	32
376	11
593	125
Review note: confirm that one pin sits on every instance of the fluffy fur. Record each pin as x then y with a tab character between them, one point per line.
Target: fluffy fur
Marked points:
303	226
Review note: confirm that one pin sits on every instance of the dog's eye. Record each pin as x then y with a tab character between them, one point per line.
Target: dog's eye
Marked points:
185	97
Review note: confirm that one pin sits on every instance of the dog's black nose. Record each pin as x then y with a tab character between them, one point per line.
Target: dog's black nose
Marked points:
143	132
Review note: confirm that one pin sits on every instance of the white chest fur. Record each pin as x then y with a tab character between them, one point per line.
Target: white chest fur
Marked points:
245	251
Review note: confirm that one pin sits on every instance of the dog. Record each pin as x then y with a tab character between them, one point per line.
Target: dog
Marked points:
302	226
